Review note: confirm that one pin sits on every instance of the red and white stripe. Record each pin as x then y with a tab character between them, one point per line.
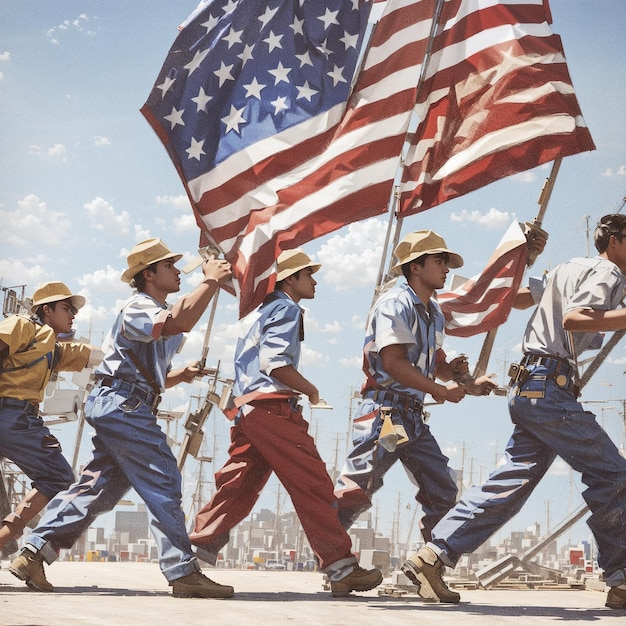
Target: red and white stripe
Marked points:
496	99
484	302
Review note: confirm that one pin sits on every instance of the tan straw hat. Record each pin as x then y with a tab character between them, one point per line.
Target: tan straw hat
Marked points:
54	292
421	242
291	261
144	254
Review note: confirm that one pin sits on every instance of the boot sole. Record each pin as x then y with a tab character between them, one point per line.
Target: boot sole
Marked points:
191	594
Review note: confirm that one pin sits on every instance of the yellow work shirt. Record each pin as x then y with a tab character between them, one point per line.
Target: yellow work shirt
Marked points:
29	340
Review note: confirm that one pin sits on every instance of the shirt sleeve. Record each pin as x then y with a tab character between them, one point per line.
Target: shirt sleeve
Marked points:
74	356
144	320
17	332
280	338
392	324
601	289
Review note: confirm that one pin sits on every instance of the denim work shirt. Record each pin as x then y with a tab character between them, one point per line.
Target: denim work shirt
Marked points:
400	317
581	283
269	338
138	328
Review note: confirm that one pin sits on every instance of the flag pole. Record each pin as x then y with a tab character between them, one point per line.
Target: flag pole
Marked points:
434	27
531	227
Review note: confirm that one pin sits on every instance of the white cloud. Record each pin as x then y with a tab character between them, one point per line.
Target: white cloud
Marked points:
180	202
5	57
352	260
33	223
185	224
355	362
17	272
101	141
56	151
492	219
332	327
78	24
620	171
104	217
312	357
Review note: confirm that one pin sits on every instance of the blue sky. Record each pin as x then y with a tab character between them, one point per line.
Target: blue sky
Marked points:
83	177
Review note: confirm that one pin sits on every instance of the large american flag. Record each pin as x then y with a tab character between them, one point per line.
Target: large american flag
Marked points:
251	106
496	98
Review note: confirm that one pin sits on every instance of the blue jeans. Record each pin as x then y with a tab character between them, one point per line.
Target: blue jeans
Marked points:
27	442
545	427
129	450
363	472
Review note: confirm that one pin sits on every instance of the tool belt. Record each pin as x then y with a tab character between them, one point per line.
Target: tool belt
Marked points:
554	368
151	398
402	401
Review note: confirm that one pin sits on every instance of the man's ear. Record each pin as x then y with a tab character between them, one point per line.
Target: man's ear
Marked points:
147	274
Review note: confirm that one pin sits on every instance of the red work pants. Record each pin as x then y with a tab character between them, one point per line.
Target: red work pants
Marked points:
274	437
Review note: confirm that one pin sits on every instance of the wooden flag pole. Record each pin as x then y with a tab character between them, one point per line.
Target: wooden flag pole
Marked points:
534	226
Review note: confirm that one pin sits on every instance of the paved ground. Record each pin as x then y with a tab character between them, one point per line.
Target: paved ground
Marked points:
137	594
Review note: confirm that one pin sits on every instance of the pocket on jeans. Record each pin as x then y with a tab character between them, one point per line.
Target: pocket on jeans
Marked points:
130	404
534	388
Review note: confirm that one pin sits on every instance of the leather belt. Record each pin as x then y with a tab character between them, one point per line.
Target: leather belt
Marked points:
14	403
403	401
555	364
293	402
148	396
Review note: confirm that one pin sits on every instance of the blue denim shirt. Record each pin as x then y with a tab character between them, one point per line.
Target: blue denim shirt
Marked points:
400	317
138	328
269	338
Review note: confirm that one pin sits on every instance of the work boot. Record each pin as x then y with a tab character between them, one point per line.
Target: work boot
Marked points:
616	598
425	569
28	566
197	585
358	579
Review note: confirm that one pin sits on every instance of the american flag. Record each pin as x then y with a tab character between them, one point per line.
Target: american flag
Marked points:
250	93
484	302
272	156
496	98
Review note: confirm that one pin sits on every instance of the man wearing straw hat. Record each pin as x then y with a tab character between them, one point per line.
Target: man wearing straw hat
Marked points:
402	356
270	434
129	447
30	353
578	300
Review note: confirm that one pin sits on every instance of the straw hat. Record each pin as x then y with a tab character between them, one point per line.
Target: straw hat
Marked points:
144	254
291	261
55	292
421	242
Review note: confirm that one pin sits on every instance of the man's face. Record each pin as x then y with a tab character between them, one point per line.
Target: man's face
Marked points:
166	277
59	316
433	274
303	285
